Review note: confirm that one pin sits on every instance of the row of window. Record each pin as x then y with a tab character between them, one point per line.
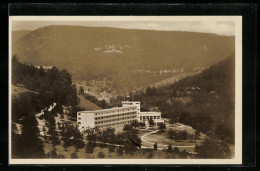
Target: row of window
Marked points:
114	124
114	111
115	120
147	117
115	116
130	103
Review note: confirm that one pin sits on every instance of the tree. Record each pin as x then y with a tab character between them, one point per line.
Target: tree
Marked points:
224	133
171	133
151	122
124	140
134	123
71	136
53	134
120	151
78	139
29	142
81	90
162	127
90	147
169	149
58	125
142	124
111	148
127	128
57	108
186	118
101	155
92	137
44	130
197	134
182	135
212	148
17	147
178	135
148	91
155	146
173	120
176	150
108	136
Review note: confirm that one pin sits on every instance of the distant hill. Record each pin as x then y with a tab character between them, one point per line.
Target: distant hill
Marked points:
123	56
16	35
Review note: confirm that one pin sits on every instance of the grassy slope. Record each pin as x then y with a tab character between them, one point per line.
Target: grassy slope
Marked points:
87	105
17	90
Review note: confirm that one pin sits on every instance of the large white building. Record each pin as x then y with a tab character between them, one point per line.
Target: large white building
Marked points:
116	116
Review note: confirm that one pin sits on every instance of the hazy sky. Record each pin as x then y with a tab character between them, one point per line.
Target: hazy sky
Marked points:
217	27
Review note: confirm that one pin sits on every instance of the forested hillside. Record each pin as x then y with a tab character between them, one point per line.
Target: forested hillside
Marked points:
204	101
35	89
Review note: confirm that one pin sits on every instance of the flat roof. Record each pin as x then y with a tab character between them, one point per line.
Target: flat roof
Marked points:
147	113
110	109
130	101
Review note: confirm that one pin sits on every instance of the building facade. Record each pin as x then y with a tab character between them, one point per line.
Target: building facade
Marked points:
155	116
133	103
116	116
106	117
144	116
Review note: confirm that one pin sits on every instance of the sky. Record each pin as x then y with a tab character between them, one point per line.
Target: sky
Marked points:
217	27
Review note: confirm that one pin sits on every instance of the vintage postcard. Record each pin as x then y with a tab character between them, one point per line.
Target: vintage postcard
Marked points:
125	90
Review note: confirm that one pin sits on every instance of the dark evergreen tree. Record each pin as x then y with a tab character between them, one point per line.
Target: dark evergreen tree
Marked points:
90	147
155	146
29	142
169	149
162	127
176	150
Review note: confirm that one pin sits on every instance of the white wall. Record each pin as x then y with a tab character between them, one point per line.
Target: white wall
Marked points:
86	120
131	103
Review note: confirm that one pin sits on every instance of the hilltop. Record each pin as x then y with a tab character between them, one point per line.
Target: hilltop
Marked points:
16	35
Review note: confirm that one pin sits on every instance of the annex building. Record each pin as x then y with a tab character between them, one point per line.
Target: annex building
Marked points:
116	116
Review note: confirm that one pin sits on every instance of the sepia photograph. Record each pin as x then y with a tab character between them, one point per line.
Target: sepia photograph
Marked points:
125	90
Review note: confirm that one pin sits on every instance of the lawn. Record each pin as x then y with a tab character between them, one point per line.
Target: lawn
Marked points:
162	139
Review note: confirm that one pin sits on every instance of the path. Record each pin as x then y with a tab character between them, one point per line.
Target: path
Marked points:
160	146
